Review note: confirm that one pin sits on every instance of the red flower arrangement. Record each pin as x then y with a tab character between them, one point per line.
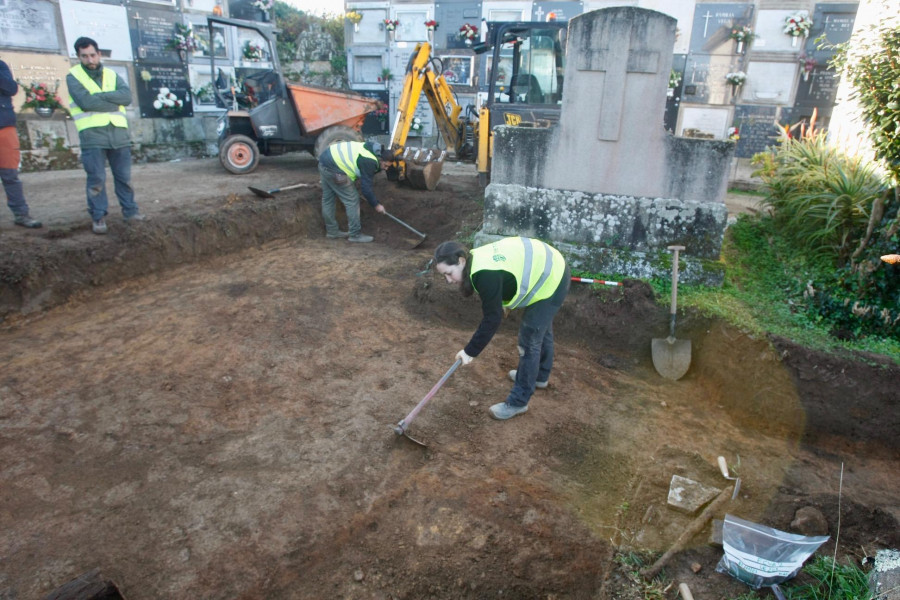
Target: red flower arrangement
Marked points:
431	25
468	32
39	95
391	25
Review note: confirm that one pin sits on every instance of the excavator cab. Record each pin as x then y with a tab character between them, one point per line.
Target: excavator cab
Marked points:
526	73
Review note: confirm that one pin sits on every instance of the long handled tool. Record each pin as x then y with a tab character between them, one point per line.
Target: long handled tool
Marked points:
271	193
672	357
415	231
723	467
401	427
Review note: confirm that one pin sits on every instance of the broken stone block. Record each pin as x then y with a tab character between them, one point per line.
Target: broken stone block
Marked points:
809	521
689	495
884	580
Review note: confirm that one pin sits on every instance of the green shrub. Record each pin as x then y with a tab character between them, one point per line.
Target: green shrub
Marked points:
838	216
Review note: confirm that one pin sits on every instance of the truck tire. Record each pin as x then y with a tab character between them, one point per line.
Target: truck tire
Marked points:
239	154
336	133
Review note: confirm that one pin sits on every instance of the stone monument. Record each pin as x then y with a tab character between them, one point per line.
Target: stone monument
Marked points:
608	185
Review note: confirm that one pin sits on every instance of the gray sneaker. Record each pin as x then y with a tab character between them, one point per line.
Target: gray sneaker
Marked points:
338	235
99	226
504	411
27	221
360	238
136	217
541	385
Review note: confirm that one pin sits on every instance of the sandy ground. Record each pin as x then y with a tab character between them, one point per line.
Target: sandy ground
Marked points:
201	406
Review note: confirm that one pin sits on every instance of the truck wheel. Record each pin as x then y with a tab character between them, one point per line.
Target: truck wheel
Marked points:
336	133
239	154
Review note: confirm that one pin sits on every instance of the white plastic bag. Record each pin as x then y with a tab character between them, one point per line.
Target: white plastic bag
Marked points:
761	556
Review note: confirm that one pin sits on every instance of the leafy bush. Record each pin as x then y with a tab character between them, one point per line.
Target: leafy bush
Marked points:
839	215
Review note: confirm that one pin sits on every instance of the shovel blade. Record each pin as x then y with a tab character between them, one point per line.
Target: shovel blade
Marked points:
671	357
260	193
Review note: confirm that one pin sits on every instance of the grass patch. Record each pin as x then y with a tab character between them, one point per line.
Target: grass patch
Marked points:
763	292
830	580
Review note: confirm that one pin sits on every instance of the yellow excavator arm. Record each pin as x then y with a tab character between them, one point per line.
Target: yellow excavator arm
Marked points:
422	168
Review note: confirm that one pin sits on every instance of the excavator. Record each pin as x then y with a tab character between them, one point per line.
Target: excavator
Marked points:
525	76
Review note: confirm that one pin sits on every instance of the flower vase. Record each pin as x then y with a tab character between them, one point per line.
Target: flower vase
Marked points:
734	89
356	28
183	55
794	41
391	34
805	75
44	112
740	47
468	41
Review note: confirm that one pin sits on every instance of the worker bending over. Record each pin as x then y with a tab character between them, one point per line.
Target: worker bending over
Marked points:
340	165
515	272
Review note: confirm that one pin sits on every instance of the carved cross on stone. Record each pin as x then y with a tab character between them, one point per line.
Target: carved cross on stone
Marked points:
612	98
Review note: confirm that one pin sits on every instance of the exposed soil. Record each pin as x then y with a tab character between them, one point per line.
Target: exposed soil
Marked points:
201	407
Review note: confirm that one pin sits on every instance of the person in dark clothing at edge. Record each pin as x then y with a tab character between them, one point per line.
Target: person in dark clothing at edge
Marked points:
514	272
9	152
340	165
97	101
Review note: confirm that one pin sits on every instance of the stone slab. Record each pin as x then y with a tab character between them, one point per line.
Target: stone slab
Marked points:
688	495
884	580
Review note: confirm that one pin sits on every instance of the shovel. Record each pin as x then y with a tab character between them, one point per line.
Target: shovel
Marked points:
271	193
401	427
672	357
415	231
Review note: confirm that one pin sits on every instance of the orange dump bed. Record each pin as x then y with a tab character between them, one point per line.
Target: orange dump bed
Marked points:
320	108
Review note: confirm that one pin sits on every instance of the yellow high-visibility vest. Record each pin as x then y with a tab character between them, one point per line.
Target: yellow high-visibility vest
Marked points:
537	267
84	120
345	154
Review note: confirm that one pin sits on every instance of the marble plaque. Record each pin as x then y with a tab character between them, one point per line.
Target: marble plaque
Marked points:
712	25
151	32
769	31
219	43
412	22
370	30
709	121
457	69
450	17
769	82
367	68
376	122
756	128
107	25
29	24
835	22
29	67
818	91
153	77
704	78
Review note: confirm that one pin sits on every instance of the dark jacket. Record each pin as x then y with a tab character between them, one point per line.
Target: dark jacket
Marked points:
110	136
494	287
8	89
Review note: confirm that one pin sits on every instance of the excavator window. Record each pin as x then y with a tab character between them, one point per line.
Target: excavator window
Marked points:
530	66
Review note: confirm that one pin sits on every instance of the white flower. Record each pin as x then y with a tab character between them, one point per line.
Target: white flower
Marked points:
157	104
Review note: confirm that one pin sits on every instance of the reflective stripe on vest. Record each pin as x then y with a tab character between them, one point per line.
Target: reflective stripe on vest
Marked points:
85	120
537	267
344	155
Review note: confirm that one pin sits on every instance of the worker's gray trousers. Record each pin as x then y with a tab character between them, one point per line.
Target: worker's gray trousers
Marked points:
339	185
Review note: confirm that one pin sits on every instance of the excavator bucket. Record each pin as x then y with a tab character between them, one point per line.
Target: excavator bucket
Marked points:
423	166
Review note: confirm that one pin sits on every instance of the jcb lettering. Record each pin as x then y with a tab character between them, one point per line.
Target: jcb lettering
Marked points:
512	119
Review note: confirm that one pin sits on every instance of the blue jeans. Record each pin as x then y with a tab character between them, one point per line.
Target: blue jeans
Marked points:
94	161
15	197
536	344
338	185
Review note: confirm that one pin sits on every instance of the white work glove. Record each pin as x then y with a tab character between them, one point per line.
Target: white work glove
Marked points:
465	358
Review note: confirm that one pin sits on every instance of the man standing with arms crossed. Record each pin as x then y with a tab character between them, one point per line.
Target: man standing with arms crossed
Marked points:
97	101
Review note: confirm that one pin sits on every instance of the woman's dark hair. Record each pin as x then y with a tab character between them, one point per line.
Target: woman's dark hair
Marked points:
84	42
449	253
